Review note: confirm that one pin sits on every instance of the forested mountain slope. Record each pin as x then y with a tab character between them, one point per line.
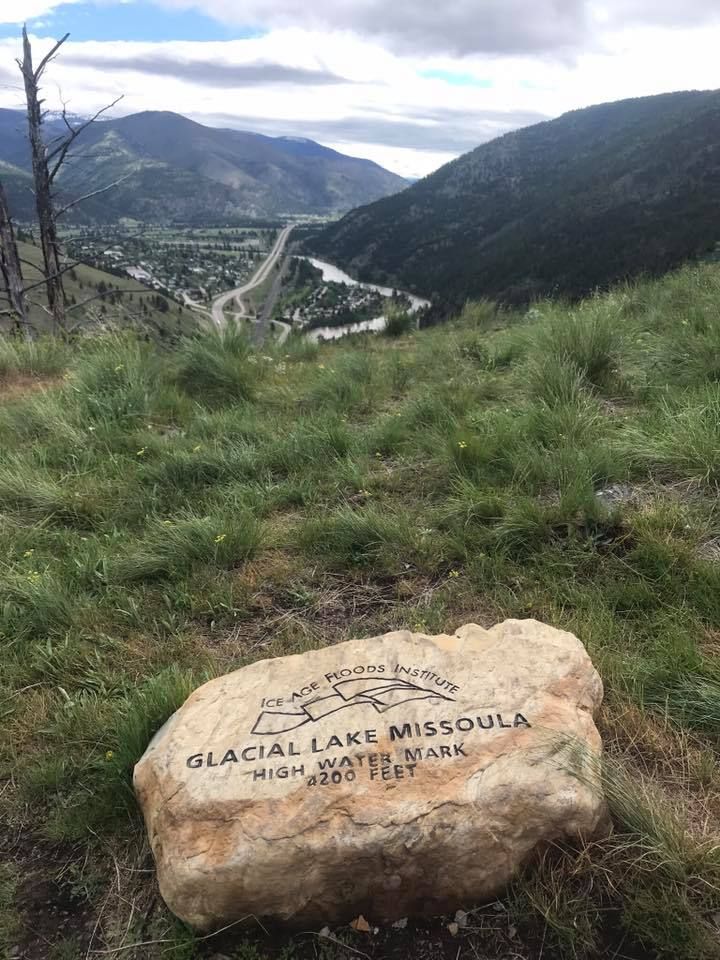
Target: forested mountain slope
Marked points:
172	168
560	207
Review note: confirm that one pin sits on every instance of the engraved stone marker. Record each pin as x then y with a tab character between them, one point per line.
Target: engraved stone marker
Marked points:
382	776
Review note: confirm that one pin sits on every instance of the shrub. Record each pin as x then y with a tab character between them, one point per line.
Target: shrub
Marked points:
45	356
115	381
171	548
216	367
681	438
397	322
369	536
480	314
589	340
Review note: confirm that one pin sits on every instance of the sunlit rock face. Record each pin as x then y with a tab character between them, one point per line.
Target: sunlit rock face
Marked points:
386	776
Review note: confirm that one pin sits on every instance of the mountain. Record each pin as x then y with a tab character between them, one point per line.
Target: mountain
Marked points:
173	169
18	184
563	207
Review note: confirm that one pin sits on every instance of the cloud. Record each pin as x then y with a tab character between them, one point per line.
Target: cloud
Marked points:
18	11
434	131
211	73
664	13
459	26
559	28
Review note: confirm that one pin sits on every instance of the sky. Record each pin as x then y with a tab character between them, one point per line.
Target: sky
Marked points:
409	84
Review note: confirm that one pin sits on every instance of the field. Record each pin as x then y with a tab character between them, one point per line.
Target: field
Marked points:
171	515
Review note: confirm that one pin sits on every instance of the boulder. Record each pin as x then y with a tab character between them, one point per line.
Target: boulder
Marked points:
387	776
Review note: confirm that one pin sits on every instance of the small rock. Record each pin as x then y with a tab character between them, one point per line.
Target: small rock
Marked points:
710	550
360	924
325	932
461	918
454	929
618	494
400	924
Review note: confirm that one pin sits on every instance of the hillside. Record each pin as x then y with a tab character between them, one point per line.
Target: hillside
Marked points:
561	207
169	515
174	169
114	301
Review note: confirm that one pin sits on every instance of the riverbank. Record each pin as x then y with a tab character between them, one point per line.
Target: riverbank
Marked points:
333	274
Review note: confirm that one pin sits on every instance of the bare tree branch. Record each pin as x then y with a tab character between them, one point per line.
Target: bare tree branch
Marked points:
26	65
63	270
87	196
11	268
60	151
110	293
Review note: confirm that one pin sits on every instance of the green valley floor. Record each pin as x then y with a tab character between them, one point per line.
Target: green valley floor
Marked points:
169	515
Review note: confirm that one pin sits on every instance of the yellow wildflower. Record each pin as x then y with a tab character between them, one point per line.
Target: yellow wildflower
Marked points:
140	452
119	367
454	573
462	444
219	538
28	553
109	755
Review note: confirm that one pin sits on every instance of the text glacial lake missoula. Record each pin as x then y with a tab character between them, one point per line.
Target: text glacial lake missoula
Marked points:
286	743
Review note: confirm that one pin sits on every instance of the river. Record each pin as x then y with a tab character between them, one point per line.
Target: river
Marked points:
333	274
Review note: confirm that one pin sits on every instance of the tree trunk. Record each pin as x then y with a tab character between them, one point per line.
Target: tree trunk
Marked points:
43	194
11	269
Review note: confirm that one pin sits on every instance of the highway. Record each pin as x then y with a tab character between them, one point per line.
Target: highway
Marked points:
261	274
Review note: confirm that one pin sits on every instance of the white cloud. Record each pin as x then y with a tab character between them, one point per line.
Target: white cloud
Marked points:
18	11
559	28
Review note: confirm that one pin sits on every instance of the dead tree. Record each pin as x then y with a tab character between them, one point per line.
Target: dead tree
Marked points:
47	161
43	183
11	270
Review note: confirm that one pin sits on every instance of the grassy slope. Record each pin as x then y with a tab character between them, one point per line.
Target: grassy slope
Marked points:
165	517
83	282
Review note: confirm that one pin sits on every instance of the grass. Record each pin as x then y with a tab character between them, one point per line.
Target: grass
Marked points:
169	516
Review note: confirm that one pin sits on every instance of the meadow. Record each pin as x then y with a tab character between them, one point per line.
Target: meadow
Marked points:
170	515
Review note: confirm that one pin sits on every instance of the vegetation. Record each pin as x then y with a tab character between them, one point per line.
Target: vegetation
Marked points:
170	516
558	208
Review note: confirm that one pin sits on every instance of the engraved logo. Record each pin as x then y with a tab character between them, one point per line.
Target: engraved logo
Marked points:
382	694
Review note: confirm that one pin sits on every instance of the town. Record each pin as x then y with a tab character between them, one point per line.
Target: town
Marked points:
189	264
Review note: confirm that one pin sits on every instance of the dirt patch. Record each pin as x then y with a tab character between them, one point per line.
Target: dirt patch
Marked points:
679	764
15	385
50	908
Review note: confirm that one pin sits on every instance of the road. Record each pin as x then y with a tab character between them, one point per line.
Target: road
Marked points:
261	274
